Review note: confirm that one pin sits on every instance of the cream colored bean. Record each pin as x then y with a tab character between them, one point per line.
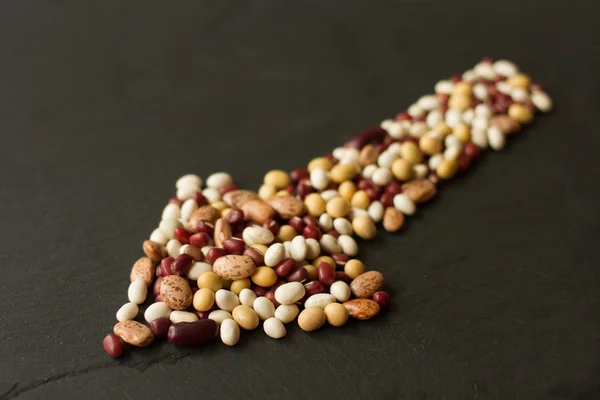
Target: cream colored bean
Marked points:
188	207
505	68
298	248
416	111
157	310
319	178
368	171
274	254
197	269
137	291
274	328
173	248
325	222
247	297
357	212
342	226
351	156
313	249
420	170
182	316
485	70
340	290
348	244
289	293
158	236
403	203
444	87
382	176
319	300
186	192
386	159
329	194
212	195
171	211
453	117
467	116
286	313
167	226
127	311
339	152
496	138
264	308
218	180
542	101
452	152
479	138
205	249
329	244
226	300
246	317
257	235
375	211
434	160
230	332
418	129
219	316
188	180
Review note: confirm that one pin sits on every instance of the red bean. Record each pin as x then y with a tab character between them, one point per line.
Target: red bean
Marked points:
271	225
227	188
206	227
165	266
201	314
234	216
176	201
255	255
259	291
194	252
464	162
393	188
311	231
334	233
382	298
271	296
156	287
182	235
234	246
291	190
297	224
387	199
277	284
285	267
181	265
304	188
310	220
158	299
200	199
298	174
456	78
364	184
326	273
376	134
374	193
191	334
341	276
199	239
313	287
340	259
380	148
403	116
472	150
214	253
298	275
160	327
113	345
332	186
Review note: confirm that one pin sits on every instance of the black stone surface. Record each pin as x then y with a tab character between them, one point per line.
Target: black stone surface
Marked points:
104	104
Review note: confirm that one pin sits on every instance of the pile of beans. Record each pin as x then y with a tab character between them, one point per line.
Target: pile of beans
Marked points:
223	258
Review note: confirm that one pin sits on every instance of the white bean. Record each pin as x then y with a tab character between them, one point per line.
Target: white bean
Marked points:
206	248
182	316
329	194
434	161
247	297
325	222
351	156
289	293
452	140
480	91
263	307
188	207
444	87
339	152
453	117
157	310
229	331
396	130
386	159
127	311
343	226
218	180
186	192
226	300
468	116
340	290
452	152
368	171
171	211
420	170
286	313
483	110
480	123
495	138
212	195
257	235
479	138
197	269
287	245
173	248
158	236
469	76
382	176
348	245
403	203
519	95
188	180
319	300
428	102
298	248
433	118
505	68
503	87
542	101
485	70
314	249
274	254
167	226
418	129
330	244
319	179
219	316
376	211
274	328
137	291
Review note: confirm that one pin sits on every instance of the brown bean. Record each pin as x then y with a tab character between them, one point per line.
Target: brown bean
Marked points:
134	333
154	251
419	190
143	268
366	284
257	211
362	309
207	213
237	198
175	291
222	231
287	206
393	219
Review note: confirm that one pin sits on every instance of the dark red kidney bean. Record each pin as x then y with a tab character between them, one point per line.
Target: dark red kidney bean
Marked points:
234	216
464	162
382	298
113	345
376	134
271	296
182	235
291	190
259	291
227	188
297	224
255	255
313	287
326	273
158	299
403	116
200	199
364	184
310	220
194	252
304	189
206	227
332	186
340	259
191	334
176	201
374	193
298	275
393	188
387	199
214	253
199	239
165	266
181	265
388	140
160	327
341	276
311	231
334	233
298	174
156	287
271	225
285	267
202	314
472	150
234	246
433	177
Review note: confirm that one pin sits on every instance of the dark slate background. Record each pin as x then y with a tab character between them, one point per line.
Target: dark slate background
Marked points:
104	104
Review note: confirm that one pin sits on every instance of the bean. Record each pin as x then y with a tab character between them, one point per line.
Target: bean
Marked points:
113	345
176	292
246	317
199	239
330	244
160	327
257	235
258	290
311	232
326	222
247	297
157	282
205	226
204	299
219	316
230	332
271	296
287	313
298	275
274	328
264	276
326	273
313	287
274	255
298	248
181	265
314	249
263	307
348	244
137	291
311	319
191	334
127	311
371	135
157	310
238	285
285	267
341	276
354	268
319	300
290	293
382	298
226	300
234	246
336	314
218	180
173	248
403	203
134	333
255	254
197	269
182	316
210	280
340	290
